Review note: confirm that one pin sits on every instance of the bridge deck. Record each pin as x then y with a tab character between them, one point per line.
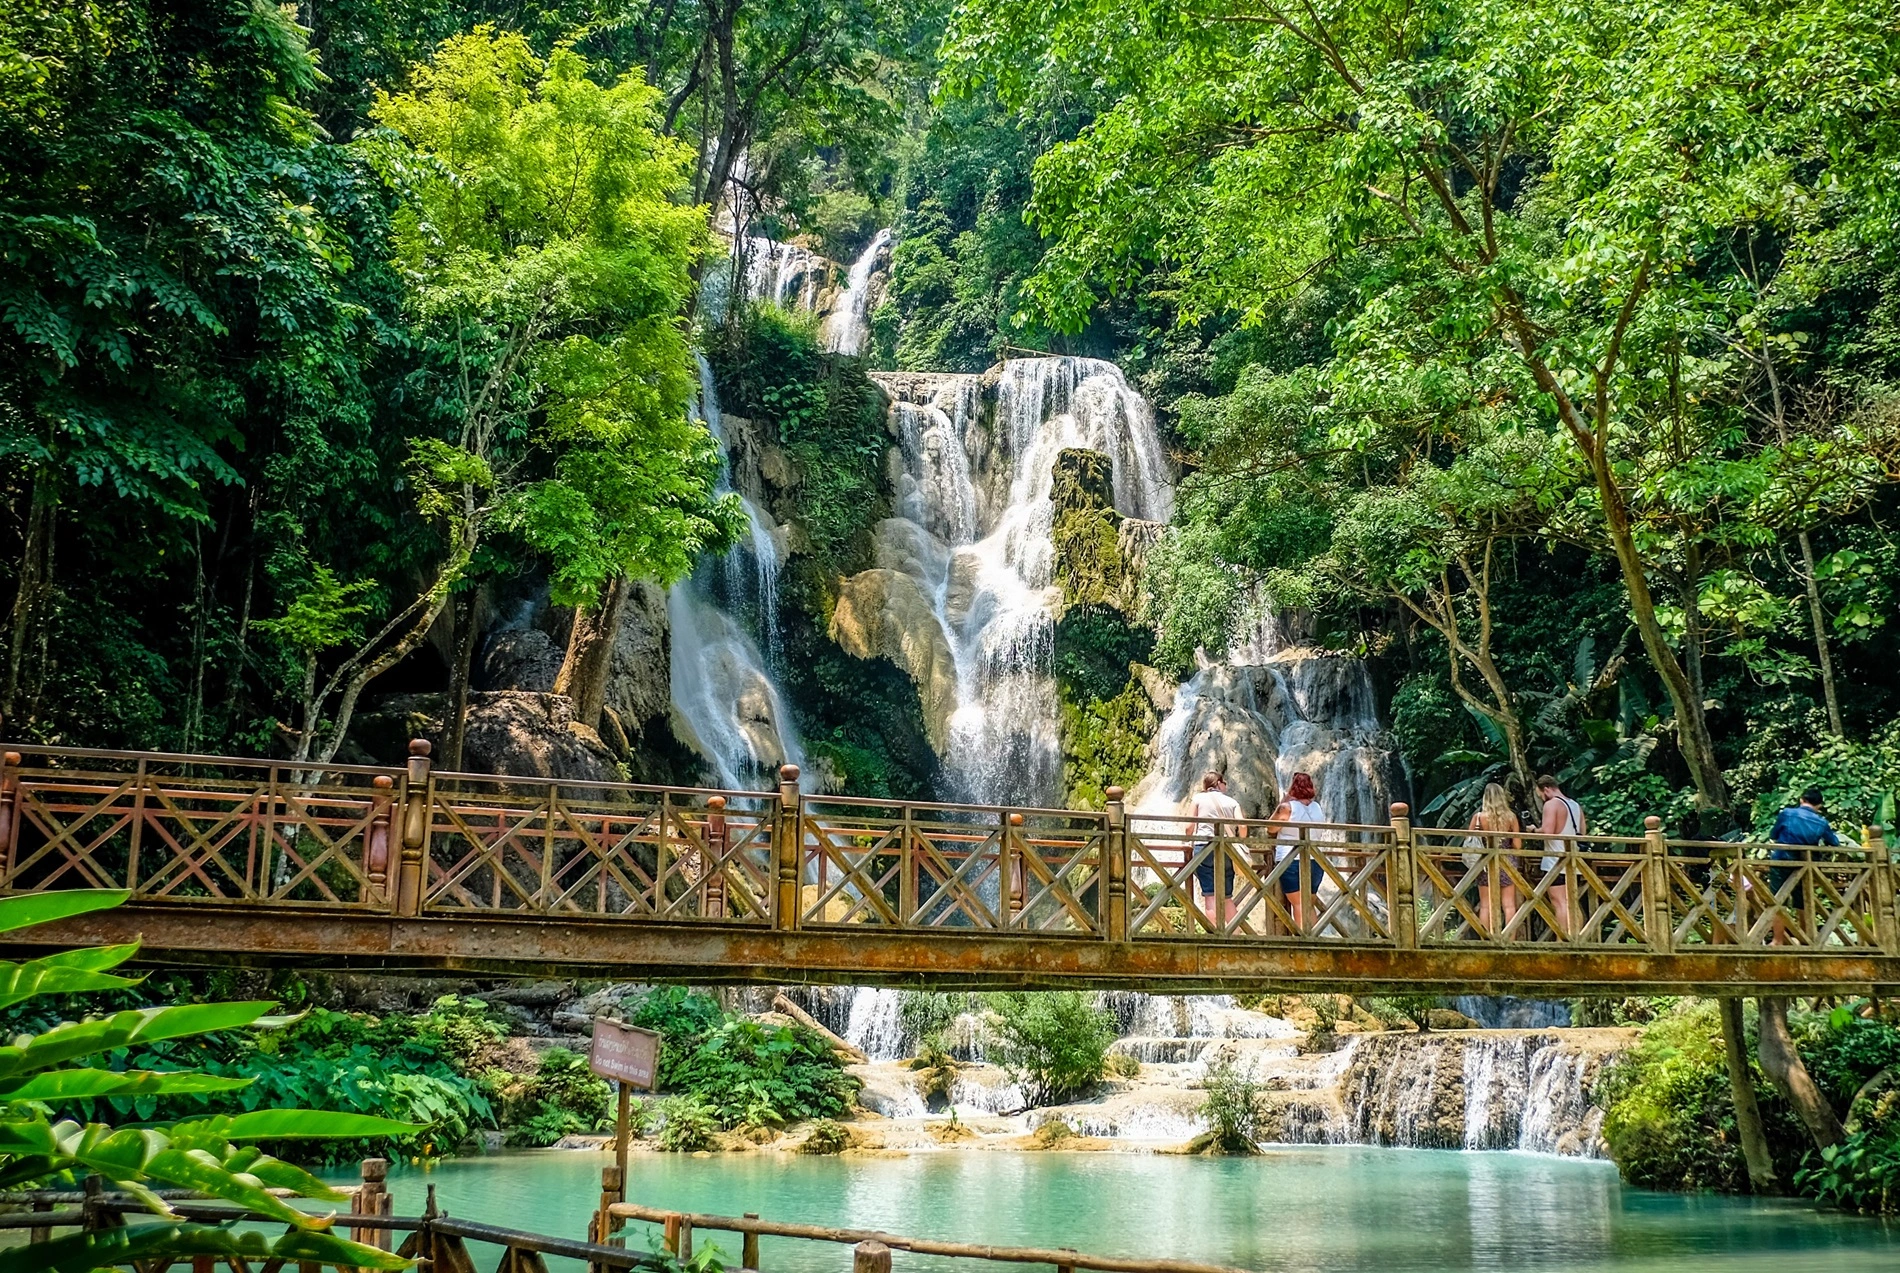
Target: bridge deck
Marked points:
236	860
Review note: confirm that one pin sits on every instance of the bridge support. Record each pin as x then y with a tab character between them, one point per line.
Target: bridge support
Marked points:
1115	868
786	840
415	829
1661	936
1404	869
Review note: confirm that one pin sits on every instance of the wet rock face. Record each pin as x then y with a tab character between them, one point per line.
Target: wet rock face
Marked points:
512	732
884	614
639	687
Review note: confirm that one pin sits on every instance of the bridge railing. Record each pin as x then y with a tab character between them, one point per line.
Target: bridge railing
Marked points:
220	831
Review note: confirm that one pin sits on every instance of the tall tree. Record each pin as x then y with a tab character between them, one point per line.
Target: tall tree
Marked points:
1547	181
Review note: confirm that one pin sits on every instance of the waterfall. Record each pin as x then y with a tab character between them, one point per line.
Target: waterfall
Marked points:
975	516
789	276
848	325
726	704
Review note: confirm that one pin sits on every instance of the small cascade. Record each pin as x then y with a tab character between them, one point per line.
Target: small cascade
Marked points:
726	704
848	327
1495	1074
974	533
875	1025
787	275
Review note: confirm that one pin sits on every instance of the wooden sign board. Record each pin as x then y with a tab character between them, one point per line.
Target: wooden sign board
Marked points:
625	1053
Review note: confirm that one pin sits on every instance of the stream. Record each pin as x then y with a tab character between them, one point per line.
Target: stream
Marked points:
1309	1209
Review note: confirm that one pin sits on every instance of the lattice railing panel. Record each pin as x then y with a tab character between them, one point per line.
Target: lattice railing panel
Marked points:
563	848
1739	895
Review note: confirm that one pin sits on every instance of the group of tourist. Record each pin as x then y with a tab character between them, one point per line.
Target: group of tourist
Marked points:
1292	867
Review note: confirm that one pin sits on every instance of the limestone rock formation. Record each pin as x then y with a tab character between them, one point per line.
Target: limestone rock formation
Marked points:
512	732
884	613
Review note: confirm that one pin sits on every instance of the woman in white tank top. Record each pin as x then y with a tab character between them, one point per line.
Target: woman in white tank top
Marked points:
1300	879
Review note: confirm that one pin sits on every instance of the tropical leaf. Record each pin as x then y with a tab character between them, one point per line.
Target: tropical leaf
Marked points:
103	1248
69	972
28	909
75	1039
69	1085
299	1124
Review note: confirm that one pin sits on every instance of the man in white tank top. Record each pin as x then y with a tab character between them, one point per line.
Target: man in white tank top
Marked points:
1217	814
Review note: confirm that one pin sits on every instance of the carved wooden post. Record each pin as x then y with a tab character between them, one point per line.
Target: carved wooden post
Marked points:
371	1200
1403	879
1114	872
1886	894
713	871
1009	846
613	1189
376	846
415	830
1659	925
9	806
787	841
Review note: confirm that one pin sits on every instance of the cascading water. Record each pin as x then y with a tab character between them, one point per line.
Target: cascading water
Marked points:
974	532
785	274
726	704
848	326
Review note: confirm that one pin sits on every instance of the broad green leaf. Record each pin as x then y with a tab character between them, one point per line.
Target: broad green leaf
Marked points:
65	1085
122	1029
305	1124
82	1252
29	909
70	972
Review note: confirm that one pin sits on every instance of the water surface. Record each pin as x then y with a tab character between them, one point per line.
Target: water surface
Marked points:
1330	1209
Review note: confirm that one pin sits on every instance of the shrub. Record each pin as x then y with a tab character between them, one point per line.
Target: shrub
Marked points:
563	1098
1862	1173
939	1068
828	1136
1231	1107
1668	1118
927	1013
1054	1043
1392	1009
687	1125
1120	1065
749	1073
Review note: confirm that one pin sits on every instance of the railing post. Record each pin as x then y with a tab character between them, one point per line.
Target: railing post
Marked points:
415	830
1886	896
372	1200
1115	869
749	1246
1010	859
376	847
613	1189
9	805
1402	908
712	872
870	1257
1659	926
787	839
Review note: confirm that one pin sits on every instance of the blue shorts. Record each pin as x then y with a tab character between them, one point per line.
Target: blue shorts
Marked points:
1204	873
1289	875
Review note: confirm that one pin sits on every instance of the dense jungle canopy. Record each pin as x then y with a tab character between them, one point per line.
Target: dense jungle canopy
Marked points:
1545	355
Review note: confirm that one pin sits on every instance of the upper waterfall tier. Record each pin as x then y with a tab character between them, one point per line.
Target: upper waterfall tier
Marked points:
972	471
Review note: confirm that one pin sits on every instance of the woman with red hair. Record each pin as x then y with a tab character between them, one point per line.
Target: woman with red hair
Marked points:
1300	876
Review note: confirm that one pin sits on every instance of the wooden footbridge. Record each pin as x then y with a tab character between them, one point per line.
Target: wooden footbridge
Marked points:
251	861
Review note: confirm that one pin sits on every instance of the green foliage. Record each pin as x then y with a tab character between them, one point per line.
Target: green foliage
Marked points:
1391	1009
1231	1107
687	1125
215	1155
827	1137
1054	1043
741	1072
924	1013
1668	1118
563	1098
1862	1173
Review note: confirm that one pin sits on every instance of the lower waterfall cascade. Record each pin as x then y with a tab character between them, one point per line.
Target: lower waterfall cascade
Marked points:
1526	1090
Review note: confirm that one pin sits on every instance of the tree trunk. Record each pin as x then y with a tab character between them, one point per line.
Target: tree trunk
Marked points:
1822	647
1692	722
1741	1086
32	581
1783	1064
459	678
590	651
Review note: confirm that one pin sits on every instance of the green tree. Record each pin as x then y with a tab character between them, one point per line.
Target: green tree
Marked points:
1545	189
548	264
1054	1043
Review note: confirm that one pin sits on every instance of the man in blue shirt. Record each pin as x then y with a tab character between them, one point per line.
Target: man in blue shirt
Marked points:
1802	825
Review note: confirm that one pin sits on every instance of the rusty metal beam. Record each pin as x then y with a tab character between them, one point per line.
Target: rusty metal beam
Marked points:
519	945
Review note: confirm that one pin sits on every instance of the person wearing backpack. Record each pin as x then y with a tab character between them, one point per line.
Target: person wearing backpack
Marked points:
1804	827
1563	820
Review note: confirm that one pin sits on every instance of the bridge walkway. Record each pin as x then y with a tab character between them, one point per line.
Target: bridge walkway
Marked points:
257	861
